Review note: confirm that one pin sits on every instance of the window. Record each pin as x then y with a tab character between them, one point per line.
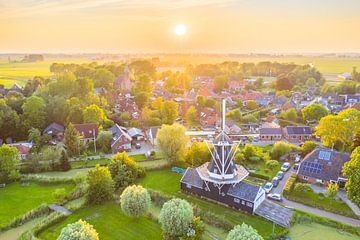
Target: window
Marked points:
249	204
215	170
243	202
90	131
236	200
305	178
188	185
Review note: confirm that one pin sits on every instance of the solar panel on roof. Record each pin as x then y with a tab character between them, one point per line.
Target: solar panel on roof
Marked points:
324	155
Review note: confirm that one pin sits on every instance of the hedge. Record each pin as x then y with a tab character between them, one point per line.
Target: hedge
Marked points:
258	175
289	185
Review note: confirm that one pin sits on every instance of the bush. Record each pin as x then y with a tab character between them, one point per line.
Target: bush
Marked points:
289	185
258	175
302	188
281	148
124	170
176	217
243	232
195	230
79	230
101	185
59	194
272	164
135	201
307	147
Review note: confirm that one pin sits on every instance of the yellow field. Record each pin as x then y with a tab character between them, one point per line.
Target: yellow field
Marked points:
329	66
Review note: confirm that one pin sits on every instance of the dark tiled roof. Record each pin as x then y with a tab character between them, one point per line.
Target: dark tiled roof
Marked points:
192	177
86	130
244	190
54	128
324	164
298	130
118	131
270	131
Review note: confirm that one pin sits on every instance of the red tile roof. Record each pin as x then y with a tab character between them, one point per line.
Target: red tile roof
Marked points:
87	130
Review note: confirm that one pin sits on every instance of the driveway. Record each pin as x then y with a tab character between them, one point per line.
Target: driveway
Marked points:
278	189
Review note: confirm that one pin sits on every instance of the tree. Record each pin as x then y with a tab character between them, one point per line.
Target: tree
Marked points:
141	99
200	100
332	190
80	230
103	140
342	126
135	201
281	148
191	117
35	138
169	112
289	115
71	140
283	82
9	121
64	161
94	114
100	185
351	170
142	90
124	170
197	154
9	164
176	217
356	140
172	141
34	112
307	147
103	78
156	104
220	82
51	154
313	112
251	104
250	151
243	232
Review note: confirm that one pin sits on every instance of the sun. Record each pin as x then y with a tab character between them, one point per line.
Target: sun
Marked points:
180	29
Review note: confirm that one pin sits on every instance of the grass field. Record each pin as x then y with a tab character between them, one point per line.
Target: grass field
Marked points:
316	231
110	223
16	199
169	182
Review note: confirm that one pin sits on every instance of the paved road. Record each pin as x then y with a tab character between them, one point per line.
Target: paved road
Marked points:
333	216
278	189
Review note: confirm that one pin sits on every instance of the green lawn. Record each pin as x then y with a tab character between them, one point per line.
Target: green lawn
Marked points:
110	223
315	231
16	199
319	201
169	183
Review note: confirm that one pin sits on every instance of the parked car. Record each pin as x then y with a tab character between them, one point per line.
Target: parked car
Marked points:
285	167
137	145
275	181
275	196
296	166
268	186
280	175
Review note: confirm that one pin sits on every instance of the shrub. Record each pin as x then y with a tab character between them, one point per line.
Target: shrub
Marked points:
100	185
258	175
289	185
79	230
302	188
281	148
135	201
59	194
175	217
124	170
195	230
243	232
307	147
332	190
272	164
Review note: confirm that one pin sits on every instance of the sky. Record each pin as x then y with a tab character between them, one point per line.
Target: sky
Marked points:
213	26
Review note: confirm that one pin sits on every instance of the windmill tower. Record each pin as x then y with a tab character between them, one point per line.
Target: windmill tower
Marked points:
221	170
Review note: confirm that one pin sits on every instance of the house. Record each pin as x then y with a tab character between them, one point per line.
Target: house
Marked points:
136	134
151	134
54	130
87	131
323	165
23	149
270	134
263	101
121	140
356	106
297	133
352	99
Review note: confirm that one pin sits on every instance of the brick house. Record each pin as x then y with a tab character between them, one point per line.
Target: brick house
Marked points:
297	133
270	134
121	140
87	131
323	166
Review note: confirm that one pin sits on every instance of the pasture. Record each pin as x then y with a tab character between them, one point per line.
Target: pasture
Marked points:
17	199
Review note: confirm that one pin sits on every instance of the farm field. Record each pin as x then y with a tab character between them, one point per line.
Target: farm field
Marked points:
16	199
110	223
316	231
